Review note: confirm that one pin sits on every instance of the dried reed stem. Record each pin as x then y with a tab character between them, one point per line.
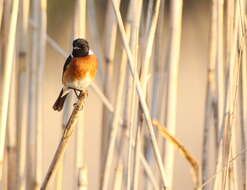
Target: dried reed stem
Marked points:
243	107
144	77
69	128
80	32
140	94
22	89
173	61
1	12
243	151
134	149
32	101
220	61
243	94
233	78
109	48
7	80
149	172
210	97
39	96
116	116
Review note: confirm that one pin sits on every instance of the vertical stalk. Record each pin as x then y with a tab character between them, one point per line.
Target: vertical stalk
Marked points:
243	95
134	148
229	119
140	95
210	98
40	90
173	61
1	12
220	61
11	134
80	32
22	88
243	108
32	102
117	111
144	77
110	35
7	72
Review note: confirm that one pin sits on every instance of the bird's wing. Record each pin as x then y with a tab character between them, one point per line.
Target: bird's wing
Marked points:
67	62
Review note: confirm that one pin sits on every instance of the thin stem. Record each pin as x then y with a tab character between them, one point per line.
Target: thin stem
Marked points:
140	94
7	72
173	61
68	131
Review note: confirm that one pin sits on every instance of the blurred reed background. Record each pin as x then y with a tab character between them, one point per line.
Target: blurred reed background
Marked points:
168	109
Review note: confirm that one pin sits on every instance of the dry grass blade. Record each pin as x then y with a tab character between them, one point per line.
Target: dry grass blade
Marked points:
7	72
69	128
193	162
141	96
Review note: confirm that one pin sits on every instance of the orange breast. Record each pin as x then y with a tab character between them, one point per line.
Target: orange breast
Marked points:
80	66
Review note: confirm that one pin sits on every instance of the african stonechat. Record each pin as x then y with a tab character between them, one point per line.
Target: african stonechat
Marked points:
78	72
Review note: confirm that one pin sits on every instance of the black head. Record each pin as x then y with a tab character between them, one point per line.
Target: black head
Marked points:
80	48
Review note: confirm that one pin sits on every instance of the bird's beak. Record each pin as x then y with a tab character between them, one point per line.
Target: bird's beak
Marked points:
76	48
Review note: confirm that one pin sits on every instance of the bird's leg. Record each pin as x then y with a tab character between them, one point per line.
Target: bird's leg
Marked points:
76	93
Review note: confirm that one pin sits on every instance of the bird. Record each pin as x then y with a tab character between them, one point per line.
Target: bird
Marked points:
79	71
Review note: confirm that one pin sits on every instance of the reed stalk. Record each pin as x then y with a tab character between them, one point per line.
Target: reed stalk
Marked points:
11	135
144	78
149	172
117	110
95	36
7	72
134	149
140	94
220	61
110	35
22	88
243	108
80	32
68	131
39	96
243	95
229	118
173	61
211	95
1	12
32	101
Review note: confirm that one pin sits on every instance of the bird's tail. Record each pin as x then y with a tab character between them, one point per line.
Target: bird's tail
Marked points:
58	106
